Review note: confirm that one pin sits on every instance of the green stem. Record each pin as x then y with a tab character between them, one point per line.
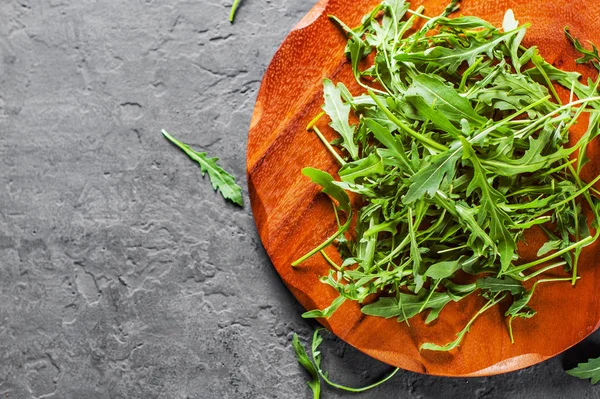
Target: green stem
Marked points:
571	197
328	146
356	390
547	79
234	7
325	243
330	261
556	111
468	73
544	270
556	254
339	386
546	280
314	121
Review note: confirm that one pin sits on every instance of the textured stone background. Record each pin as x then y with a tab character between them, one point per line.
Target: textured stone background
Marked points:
122	275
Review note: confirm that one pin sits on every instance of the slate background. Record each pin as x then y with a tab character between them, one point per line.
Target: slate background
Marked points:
122	274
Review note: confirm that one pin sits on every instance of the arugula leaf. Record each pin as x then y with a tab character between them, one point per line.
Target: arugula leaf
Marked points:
219	178
506	283
446	99
588	56
549	246
339	113
441	270
461	334
428	179
325	180
314	367
302	357
453	58
327	312
490	198
589	370
408	306
372	165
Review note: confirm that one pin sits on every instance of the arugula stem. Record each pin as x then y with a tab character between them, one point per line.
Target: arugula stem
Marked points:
330	261
316	355
356	390
556	254
468	73
556	111
571	197
490	304
325	243
418	14
314	121
547	79
234	7
328	146
543	270
547	280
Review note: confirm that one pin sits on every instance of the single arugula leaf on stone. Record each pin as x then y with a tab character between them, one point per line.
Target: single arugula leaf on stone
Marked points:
588	370
302	357
314	367
221	180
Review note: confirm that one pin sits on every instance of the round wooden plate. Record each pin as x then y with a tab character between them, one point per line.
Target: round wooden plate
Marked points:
292	217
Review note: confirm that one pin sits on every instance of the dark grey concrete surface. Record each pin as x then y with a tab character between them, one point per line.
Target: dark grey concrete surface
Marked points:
122	274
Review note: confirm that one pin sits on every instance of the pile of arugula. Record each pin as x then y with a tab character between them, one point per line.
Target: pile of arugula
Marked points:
459	145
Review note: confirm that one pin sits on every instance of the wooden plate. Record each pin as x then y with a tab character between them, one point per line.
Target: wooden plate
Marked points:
292	217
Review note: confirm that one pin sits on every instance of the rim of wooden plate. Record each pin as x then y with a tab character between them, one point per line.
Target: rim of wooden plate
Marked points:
292	217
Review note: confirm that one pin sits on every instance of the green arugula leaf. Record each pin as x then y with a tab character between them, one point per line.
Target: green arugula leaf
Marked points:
588	56
314	368
325	180
461	334
589	370
453	58
372	165
408	306
506	283
302	357
327	312
490	199
549	246
220	179
446	99
446	269
428	179
339	114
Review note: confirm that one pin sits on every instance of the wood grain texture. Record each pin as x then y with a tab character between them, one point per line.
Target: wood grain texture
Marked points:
292	217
